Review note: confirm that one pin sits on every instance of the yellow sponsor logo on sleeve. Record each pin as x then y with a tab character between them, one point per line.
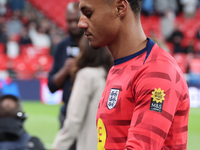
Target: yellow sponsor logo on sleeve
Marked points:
158	95
101	132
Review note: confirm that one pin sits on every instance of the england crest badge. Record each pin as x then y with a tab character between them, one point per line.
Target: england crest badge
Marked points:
113	97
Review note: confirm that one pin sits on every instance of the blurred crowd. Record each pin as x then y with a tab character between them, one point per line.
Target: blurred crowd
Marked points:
28	37
179	32
188	7
28	40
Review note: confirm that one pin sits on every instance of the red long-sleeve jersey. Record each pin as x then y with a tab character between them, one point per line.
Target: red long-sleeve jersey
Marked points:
145	104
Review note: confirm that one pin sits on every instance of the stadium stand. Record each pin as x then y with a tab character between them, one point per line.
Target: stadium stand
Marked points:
49	16
57	11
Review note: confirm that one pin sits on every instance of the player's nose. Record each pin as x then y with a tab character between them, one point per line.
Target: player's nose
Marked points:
82	24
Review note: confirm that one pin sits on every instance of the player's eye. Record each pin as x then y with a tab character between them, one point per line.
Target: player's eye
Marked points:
88	14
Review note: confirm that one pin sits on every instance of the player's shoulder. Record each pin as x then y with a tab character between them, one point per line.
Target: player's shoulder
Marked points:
162	57
160	62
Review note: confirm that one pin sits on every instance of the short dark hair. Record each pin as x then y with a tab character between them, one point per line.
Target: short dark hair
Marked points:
10	113
136	6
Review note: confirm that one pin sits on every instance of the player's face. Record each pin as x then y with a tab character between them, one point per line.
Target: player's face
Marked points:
99	21
73	17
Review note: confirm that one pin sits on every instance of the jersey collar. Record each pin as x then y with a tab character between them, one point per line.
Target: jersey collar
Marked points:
148	48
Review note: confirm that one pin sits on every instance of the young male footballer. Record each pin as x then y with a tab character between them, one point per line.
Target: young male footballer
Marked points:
145	104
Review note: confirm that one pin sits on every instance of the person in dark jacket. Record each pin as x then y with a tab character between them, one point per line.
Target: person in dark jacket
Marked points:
12	133
64	59
65	51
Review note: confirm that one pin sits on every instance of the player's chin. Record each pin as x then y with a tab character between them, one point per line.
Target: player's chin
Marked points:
94	45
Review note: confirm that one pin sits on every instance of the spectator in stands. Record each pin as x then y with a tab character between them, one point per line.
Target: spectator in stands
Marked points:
90	74
189	7
190	47
45	25
161	6
59	76
12	133
198	34
167	10
14	25
198	5
39	38
24	38
3	36
30	15
167	24
197	44
12	47
3	8
176	39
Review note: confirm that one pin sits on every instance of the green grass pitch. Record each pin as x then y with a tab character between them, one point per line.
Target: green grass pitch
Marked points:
43	122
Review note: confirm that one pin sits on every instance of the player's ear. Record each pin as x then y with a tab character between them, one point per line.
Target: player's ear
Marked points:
121	7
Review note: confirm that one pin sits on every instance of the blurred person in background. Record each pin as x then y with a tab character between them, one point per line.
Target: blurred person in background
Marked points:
3	36
167	9
45	25
12	133
176	39
198	34
90	77
190	49
64	53
189	7
14	25
197	45
3	8
24	37
39	37
162	6
12	47
167	24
